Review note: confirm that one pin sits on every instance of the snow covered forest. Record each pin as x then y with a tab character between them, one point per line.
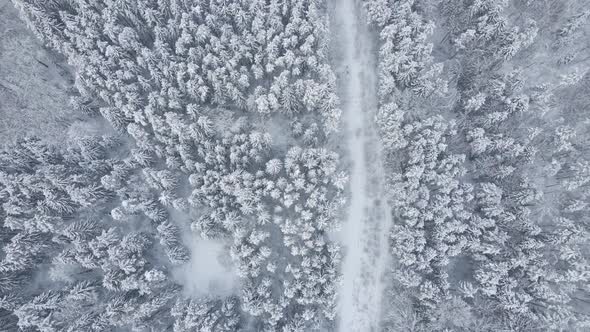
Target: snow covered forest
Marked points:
294	165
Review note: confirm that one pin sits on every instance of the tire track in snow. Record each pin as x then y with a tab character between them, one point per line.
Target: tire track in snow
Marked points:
364	233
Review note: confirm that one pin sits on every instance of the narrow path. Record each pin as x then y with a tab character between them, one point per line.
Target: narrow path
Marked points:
364	234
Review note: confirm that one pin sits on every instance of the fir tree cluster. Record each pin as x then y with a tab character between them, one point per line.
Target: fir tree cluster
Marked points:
487	169
183	83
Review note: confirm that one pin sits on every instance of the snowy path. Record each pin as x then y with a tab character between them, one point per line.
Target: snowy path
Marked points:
364	234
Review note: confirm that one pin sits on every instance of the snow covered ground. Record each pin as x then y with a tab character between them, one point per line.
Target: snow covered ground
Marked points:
34	84
209	272
364	233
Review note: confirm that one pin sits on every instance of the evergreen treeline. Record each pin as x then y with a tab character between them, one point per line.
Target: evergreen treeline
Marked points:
187	80
485	135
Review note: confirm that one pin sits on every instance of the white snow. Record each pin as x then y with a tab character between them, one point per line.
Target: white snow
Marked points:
209	272
34	84
364	234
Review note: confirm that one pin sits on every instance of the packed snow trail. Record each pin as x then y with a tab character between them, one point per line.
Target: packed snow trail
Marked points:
364	233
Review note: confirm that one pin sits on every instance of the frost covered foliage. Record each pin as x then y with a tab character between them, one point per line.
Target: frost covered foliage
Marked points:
431	209
68	264
189	81
151	58
490	216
